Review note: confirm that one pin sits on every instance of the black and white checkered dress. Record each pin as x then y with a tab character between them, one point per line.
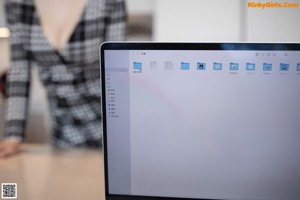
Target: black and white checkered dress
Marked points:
71	76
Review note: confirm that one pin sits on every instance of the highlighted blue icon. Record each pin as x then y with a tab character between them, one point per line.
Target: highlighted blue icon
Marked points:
185	66
137	66
234	66
201	66
250	66
284	67
217	66
298	67
267	67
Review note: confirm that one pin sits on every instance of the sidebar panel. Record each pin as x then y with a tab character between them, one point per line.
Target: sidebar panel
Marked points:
118	121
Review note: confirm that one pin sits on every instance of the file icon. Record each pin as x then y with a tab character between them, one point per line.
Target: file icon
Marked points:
185	66
250	66
234	66
137	66
201	66
267	67
217	66
298	67
284	67
168	65
153	65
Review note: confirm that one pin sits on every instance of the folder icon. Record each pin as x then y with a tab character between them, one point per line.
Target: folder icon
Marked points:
234	66
217	66
250	66
185	66
284	67
137	66
267	67
201	66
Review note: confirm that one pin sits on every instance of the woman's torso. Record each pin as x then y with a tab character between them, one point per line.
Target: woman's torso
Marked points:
78	46
58	22
70	71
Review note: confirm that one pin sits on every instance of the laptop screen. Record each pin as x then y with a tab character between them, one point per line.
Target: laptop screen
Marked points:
215	121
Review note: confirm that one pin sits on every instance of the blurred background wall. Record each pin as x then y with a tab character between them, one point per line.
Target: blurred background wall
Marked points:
175	20
219	20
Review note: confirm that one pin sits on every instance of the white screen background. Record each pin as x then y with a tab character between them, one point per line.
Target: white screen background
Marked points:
215	134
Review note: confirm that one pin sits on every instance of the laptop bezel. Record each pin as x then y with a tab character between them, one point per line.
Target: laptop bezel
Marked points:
167	46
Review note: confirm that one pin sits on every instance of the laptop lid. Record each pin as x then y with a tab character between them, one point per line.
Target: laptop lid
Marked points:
201	121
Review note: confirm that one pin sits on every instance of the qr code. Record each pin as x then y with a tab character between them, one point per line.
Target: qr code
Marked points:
9	190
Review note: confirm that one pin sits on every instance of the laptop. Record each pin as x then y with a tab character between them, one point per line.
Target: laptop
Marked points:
201	120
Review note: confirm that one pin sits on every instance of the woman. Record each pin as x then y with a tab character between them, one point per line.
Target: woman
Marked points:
50	34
